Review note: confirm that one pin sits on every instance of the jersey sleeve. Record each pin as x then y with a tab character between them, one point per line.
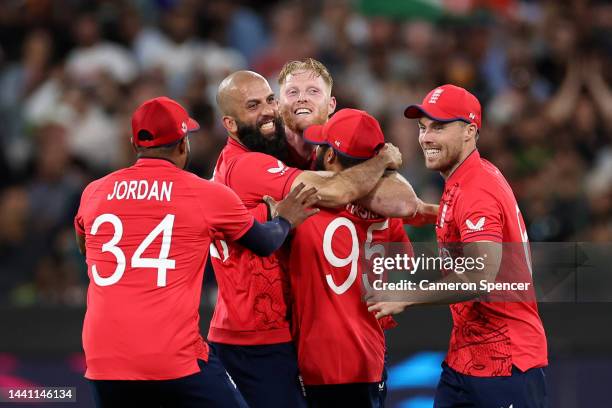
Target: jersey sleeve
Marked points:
479	216
226	215
260	212
79	226
79	221
256	174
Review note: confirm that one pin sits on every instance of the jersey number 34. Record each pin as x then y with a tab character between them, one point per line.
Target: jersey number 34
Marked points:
162	263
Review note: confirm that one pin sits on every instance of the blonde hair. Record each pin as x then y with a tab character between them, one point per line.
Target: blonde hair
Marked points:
307	64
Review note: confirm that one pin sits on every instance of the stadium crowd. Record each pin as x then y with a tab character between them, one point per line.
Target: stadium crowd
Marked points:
72	72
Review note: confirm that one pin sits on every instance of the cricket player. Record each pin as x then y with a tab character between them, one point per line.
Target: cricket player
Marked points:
497	349
145	231
250	330
340	345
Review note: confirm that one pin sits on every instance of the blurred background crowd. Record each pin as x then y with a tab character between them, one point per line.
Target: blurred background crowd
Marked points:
72	72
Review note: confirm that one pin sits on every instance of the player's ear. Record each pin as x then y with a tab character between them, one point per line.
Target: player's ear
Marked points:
332	105
330	156
133	145
471	132
230	124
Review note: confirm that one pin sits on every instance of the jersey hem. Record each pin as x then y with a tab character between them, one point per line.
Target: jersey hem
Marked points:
249	338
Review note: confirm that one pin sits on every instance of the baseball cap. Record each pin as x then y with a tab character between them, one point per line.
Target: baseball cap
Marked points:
447	103
165	120
351	132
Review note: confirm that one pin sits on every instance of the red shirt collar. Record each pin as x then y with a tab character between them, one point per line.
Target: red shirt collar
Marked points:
473	160
233	143
154	161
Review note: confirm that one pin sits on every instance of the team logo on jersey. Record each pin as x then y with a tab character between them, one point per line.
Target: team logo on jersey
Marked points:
184	127
281	169
475	227
436	95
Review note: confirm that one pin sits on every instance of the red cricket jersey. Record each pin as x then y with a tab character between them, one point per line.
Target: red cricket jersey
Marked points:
489	337
148	229
338	341
251	306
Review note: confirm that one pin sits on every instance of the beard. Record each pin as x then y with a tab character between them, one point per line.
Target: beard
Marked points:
320	158
274	145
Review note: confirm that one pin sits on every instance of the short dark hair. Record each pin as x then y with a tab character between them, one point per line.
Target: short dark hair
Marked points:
344	160
161	150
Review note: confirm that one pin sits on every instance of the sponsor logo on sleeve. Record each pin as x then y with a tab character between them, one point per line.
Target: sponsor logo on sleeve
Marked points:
281	169
479	226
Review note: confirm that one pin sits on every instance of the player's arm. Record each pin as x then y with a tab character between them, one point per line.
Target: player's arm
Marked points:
490	252
229	217
80	239
338	189
79	228
394	197
264	239
426	213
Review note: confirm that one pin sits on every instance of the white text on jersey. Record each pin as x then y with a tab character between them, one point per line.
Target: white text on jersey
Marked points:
141	190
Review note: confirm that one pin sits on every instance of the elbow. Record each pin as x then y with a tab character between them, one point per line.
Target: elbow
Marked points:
407	207
397	208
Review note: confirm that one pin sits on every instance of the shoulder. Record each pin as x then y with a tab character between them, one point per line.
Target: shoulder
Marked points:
211	189
262	161
485	180
96	184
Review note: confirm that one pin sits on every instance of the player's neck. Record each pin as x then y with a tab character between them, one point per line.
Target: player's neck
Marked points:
297	143
466	153
168	159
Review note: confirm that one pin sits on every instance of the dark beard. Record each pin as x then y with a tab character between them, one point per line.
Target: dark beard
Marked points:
320	158
255	141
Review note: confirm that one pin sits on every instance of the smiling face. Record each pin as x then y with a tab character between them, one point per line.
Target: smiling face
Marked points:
257	107
305	99
445	144
256	118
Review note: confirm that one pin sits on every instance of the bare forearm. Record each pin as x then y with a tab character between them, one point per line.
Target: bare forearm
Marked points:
352	183
80	240
392	196
426	213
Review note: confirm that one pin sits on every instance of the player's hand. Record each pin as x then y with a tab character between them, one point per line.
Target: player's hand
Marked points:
296	207
382	309
393	156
